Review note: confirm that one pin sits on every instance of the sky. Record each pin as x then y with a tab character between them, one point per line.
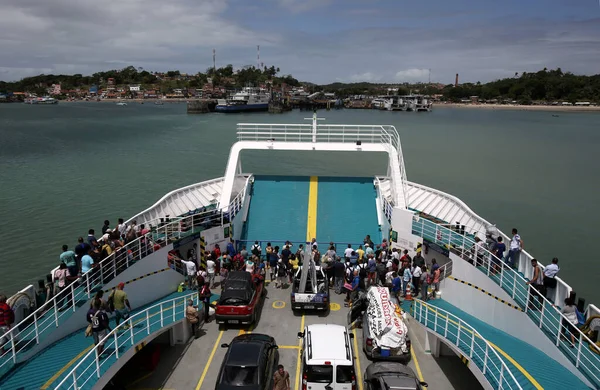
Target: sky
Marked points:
320	41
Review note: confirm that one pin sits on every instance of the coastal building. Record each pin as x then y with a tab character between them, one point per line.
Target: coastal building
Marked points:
55	89
134	88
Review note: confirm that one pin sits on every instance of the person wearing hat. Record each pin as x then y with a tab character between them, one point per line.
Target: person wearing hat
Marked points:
281	274
119	303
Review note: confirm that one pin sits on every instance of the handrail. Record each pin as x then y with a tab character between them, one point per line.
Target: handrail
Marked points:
386	135
498	375
545	315
339	246
44	319
127	337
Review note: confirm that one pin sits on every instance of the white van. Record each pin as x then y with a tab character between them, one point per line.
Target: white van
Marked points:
327	358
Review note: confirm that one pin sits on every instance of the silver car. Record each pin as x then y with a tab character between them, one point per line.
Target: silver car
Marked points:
390	375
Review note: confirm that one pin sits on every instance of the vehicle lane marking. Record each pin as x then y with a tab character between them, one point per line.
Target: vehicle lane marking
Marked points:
138	380
506	355
334	306
417	366
358	368
311	221
65	368
210	358
289	346
82	353
278	305
299	360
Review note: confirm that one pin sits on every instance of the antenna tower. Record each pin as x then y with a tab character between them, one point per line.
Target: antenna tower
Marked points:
214	61
258	56
429	75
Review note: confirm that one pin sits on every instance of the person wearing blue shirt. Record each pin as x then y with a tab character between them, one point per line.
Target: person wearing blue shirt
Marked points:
87	262
230	248
396	284
355	287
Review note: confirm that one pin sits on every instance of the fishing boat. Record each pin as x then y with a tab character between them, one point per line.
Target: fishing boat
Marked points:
248	99
41	100
483	313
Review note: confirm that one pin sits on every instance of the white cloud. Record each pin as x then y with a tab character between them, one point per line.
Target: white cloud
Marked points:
367	76
100	32
302	5
412	75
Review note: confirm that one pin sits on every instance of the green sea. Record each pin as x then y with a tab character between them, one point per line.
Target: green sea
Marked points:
65	168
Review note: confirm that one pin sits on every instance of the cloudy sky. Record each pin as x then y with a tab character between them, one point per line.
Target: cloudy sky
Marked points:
315	40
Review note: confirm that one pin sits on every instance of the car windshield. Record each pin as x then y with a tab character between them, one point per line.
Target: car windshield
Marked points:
344	374
319	374
240	376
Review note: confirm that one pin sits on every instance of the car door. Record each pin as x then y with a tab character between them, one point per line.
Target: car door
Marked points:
269	368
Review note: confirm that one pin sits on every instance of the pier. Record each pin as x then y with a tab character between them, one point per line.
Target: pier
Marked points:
201	106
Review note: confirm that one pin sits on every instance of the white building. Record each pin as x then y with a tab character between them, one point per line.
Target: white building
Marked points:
134	88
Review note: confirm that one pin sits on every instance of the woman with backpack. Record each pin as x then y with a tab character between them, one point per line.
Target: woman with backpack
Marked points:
282	272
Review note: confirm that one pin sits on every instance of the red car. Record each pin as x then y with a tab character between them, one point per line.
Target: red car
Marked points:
241	298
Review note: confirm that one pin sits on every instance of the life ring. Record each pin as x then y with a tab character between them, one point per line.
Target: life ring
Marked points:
21	305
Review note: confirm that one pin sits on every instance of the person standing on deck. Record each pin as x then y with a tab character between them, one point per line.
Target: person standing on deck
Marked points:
537	285
372	266
416	277
190	267
97	317
406	279
550	279
367	241
282	270
369	250
425	281
256	250
499	254
516	246
210	270
244	252
120	304
281	379
231	248
339	273
360	252
204	297
68	257
419	260
192	315
348	252
7	318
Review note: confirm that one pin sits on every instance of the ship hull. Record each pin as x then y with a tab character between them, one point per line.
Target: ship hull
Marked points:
241	108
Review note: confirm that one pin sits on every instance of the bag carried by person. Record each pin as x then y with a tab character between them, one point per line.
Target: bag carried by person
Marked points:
90	329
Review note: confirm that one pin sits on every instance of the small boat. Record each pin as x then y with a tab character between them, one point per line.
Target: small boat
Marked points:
41	100
157	103
121	104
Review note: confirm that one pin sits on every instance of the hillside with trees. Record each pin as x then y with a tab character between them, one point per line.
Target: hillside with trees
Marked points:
164	81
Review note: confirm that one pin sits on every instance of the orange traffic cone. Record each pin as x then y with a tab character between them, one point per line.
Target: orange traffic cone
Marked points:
408	296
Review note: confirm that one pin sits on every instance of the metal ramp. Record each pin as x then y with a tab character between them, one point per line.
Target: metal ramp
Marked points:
505	361
546	316
71	363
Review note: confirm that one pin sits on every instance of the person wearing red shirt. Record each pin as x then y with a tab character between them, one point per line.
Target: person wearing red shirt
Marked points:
7	317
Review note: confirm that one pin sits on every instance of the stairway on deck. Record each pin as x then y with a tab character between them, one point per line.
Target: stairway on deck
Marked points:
36	371
278	209
546	371
346	211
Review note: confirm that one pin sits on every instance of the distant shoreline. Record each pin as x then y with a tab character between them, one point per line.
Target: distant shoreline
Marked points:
520	107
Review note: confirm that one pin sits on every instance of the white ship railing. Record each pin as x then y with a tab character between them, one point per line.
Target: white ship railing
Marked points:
125	336
328	133
469	341
36	326
546	315
386	206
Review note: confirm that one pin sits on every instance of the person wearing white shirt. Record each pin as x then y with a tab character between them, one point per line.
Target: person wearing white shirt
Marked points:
191	272
348	251
549	279
210	270
516	246
416	275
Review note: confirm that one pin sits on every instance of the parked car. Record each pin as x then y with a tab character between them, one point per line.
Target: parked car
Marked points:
377	307
390	375
327	358
315	296
241	298
250	362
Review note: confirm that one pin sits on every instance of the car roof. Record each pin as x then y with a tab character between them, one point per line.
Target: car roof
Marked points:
391	368
398	382
328	342
246	353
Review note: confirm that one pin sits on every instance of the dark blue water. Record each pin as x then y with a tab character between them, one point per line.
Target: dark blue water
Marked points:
65	168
